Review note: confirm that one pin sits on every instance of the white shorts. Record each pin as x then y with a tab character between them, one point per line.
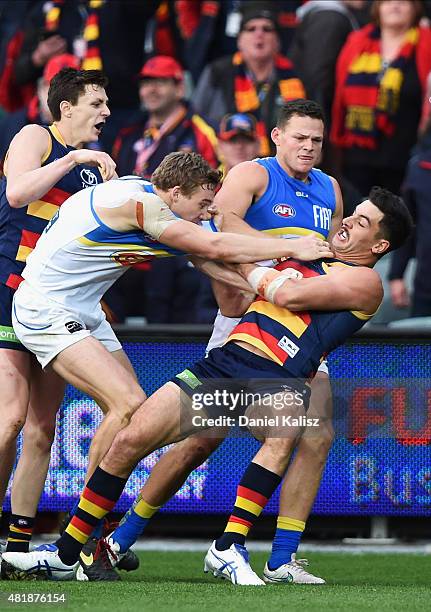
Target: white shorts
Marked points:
223	327
46	328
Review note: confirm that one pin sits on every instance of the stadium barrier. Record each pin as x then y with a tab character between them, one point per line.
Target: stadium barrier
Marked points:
380	462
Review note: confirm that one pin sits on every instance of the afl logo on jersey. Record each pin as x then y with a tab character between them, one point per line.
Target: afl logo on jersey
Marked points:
88	177
284	210
130	258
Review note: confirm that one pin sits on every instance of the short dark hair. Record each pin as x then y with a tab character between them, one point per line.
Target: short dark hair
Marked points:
68	84
397	223
187	170
301	107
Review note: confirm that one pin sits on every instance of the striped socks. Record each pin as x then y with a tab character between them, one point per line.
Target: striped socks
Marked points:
286	541
133	523
256	487
99	497
20	532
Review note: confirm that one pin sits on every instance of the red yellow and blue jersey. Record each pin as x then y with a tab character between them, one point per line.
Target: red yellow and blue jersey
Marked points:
20	228
298	341
289	207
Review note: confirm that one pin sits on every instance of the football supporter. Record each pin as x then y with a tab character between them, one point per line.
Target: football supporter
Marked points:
337	295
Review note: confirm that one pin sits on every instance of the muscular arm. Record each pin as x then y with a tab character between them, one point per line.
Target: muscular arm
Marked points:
243	183
348	289
27	180
237	248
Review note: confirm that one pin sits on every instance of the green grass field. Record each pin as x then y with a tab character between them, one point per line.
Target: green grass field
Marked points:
175	581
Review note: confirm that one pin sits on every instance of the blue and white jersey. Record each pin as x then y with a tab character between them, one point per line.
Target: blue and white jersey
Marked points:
289	207
78	257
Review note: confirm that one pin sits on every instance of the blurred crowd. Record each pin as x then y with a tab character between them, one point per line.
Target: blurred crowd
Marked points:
210	76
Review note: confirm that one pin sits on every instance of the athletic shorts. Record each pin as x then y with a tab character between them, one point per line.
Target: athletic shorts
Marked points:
223	327
238	371
46	327
8	339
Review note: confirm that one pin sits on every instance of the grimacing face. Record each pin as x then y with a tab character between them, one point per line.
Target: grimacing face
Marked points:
360	233
89	114
196	207
299	145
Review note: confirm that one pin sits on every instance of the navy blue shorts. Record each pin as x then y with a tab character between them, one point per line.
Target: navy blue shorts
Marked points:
8	339
241	372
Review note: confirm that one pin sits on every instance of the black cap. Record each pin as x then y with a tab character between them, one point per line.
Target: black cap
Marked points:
258	12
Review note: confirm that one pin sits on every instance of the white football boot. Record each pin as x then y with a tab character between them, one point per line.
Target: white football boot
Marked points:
42	562
292	572
231	564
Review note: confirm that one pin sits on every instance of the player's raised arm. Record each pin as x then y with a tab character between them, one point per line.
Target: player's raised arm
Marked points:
28	180
355	288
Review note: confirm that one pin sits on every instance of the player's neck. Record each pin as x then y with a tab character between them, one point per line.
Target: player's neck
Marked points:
163	195
66	133
359	259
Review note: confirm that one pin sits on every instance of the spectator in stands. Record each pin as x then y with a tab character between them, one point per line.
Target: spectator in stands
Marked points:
237	140
256	79
209	28
322	31
380	85
166	124
104	34
417	195
37	110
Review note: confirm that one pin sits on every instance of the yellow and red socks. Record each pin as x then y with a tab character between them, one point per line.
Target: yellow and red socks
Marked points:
256	487
133	523
99	497
20	532
286	541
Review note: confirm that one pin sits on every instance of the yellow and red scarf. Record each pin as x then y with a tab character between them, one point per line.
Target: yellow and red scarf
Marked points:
248	100
372	90
92	59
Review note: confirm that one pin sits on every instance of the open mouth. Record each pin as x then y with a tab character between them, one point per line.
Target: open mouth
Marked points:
99	126
343	234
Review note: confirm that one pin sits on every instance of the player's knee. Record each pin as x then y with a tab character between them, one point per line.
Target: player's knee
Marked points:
38	438
12	426
130	402
317	446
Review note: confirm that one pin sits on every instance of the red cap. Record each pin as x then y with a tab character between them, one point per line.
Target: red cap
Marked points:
162	67
56	63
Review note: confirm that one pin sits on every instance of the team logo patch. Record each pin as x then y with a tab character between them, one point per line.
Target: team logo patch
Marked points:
88	177
284	210
189	378
73	326
130	258
288	346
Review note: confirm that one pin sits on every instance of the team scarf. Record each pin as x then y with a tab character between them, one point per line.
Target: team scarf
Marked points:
372	90
249	100
92	59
